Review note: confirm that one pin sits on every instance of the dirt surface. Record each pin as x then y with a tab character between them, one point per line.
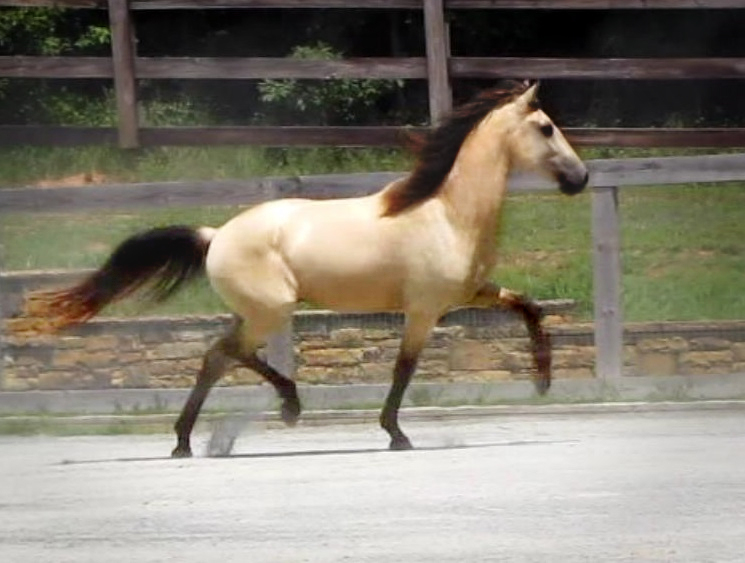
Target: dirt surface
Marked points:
83	179
633	487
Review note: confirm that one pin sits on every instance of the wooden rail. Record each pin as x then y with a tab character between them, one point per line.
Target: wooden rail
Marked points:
255	68
349	136
604	173
392	4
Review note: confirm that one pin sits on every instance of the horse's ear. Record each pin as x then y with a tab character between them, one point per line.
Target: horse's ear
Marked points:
528	100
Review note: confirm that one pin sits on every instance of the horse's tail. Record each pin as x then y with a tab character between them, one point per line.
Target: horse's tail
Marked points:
163	258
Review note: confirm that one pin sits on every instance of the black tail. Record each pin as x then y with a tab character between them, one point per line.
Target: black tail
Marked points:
163	258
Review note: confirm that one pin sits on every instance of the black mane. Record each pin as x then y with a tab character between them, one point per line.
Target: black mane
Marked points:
437	148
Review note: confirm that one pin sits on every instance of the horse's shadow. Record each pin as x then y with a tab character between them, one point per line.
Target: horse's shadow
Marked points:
315	453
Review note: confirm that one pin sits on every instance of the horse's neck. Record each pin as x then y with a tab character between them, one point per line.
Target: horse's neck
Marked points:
475	188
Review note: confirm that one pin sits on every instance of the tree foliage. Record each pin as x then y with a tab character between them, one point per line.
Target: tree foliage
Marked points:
50	32
328	102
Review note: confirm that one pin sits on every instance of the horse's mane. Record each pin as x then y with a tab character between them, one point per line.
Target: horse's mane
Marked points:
437	148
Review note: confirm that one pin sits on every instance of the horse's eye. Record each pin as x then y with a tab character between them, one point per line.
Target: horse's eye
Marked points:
547	130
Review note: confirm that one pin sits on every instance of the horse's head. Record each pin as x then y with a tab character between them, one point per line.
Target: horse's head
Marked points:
538	145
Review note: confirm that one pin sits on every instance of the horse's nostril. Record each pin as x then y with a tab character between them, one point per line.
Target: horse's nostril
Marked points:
571	187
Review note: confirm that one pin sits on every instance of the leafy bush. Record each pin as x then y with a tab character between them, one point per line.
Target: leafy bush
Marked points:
50	32
328	102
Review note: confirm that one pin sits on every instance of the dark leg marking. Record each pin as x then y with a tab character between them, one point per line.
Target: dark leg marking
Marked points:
213	366
285	387
229	348
404	369
540	341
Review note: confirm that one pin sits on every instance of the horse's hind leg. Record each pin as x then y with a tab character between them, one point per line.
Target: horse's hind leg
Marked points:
214	364
225	434
285	387
236	345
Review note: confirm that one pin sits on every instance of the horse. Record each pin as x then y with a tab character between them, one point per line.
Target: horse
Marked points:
422	245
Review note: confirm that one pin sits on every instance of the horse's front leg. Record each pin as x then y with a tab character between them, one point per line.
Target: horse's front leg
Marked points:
416	332
491	295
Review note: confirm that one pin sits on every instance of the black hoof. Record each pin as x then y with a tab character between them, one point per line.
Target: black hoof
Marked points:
179	452
401	444
290	412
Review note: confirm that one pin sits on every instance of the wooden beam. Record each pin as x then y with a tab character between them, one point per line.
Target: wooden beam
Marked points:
56	67
255	68
667	170
606	241
348	136
393	4
641	137
271	67
293	4
55	135
653	171
125	84
243	192
603	174
598	69
438	52
592	4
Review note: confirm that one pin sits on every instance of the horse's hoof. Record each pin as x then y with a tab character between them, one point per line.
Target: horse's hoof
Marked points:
401	444
179	452
290	412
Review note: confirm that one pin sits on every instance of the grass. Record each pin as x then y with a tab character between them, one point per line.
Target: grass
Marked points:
683	251
29	165
683	246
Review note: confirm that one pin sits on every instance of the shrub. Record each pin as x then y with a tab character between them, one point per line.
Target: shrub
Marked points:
328	102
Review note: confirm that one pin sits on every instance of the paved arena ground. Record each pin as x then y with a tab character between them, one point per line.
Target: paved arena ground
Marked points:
636	487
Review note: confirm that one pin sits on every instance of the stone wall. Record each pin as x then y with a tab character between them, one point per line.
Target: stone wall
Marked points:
336	349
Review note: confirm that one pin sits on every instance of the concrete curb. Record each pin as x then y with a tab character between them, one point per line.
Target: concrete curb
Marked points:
261	398
126	423
156	409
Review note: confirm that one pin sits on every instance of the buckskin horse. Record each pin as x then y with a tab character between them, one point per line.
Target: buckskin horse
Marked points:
422	245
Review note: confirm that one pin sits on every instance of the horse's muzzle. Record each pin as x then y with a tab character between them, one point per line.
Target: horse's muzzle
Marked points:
571	186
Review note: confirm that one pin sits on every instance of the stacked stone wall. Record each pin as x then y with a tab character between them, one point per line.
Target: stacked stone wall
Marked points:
338	349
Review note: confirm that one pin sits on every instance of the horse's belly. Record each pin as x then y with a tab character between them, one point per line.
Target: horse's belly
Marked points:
347	290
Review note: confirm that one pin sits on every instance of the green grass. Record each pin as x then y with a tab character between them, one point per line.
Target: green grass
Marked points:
29	165
683	247
683	251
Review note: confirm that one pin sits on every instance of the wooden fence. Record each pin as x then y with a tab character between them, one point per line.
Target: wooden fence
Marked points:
607	177
438	68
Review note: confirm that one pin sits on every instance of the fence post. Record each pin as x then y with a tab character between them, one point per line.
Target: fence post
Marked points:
438	53
607	282
125	84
